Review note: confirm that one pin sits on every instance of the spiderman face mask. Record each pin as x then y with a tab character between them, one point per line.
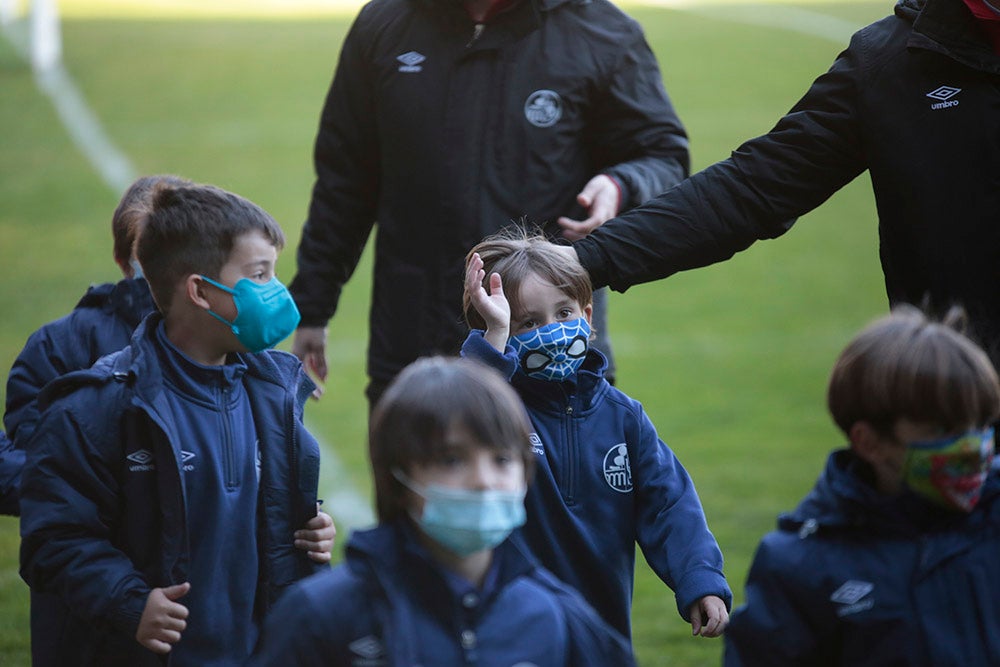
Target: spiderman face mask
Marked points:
553	352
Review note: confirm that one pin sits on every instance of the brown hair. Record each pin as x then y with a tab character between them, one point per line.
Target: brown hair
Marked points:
410	422
906	366
515	253
191	229
132	210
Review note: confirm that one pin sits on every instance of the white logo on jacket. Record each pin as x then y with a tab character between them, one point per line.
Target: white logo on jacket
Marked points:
185	461
617	471
943	95
852	595
369	652
411	61
543	108
142	461
536	444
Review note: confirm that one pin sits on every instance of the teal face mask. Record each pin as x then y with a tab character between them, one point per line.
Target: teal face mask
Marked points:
464	521
265	314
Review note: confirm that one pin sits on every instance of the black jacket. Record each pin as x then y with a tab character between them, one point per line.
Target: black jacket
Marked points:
914	100
444	133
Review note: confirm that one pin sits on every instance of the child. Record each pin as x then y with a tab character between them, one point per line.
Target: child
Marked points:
163	485
605	480
892	558
101	323
437	582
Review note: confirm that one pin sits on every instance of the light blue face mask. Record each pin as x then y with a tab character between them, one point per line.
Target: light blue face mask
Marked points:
553	352
265	314
463	521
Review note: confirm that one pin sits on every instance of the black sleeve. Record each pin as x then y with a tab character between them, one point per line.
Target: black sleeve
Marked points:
812	152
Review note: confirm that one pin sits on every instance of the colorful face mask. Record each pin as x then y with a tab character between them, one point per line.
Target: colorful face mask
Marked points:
464	521
553	352
952	471
265	314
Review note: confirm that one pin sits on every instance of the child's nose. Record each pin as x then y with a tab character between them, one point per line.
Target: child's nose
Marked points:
484	476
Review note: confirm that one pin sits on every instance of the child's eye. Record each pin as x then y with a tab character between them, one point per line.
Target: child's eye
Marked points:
529	324
565	313
502	459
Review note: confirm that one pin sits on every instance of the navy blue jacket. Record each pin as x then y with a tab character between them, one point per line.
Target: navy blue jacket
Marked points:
389	604
101	323
443	132
604	482
913	100
855	578
103	510
11	463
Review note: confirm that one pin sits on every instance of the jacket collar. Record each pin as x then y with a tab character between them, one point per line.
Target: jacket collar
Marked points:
949	28
586	385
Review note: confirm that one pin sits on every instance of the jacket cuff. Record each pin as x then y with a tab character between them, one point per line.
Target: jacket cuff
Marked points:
126	618
698	584
476	347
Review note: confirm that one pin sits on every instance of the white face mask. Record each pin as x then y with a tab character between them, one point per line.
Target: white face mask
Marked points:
463	521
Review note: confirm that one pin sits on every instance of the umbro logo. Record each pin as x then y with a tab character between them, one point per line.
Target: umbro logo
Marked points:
141	461
368	652
185	460
411	61
536	444
853	595
943	95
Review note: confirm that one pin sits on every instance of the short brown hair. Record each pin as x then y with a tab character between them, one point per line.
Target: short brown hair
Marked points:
907	366
191	229
132	210
515	253
430	396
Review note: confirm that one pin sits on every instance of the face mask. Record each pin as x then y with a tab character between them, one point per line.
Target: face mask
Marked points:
265	314
553	352
950	472
464	521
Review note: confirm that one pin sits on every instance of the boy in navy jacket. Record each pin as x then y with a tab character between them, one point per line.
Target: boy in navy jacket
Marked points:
892	557
437	582
164	485
605	480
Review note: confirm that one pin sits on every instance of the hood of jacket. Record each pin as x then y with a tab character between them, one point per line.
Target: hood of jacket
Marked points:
129	299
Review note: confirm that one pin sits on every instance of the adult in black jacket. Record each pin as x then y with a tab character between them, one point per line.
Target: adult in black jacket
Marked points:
914	100
444	128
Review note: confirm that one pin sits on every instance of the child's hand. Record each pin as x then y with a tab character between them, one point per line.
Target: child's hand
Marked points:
317	537
709	617
163	620
493	306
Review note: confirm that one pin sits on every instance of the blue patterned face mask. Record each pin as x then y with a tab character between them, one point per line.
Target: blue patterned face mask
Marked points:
553	352
265	314
464	521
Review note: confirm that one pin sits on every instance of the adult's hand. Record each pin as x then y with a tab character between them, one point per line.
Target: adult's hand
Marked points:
602	198
309	345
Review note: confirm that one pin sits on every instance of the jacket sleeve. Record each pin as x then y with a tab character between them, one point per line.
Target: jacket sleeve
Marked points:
757	193
636	131
11	463
773	628
69	505
342	209
670	524
41	360
475	347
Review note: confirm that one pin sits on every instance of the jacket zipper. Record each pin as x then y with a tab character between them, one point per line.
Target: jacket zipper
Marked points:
229	465
572	454
476	32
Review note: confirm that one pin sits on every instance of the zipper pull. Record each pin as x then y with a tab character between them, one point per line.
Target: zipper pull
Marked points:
476	32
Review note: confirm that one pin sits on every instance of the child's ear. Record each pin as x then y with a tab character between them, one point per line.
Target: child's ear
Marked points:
588	313
866	442
194	289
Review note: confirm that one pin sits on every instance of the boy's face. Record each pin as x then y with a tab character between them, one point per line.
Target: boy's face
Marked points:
470	465
541	303
253	257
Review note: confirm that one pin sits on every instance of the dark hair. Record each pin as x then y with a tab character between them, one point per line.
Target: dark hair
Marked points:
410	422
192	229
132	210
906	366
515	253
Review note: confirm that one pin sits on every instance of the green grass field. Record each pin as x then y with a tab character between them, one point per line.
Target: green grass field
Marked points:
731	361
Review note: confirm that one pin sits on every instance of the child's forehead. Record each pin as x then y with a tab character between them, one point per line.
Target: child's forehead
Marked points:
252	247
